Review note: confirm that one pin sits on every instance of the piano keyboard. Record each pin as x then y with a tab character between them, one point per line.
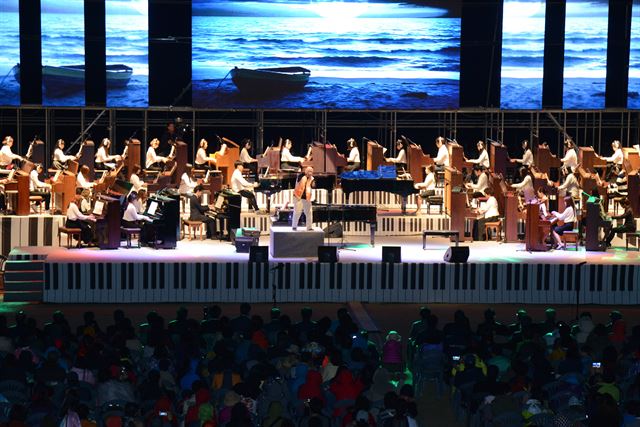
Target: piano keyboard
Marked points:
34	230
372	282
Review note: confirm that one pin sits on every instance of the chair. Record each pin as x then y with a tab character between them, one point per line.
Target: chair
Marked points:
571	237
495	227
39	201
129	233
71	234
635	235
192	228
434	200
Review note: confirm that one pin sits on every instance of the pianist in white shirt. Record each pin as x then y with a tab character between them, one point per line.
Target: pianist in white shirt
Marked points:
6	155
134	179
240	185
442	159
131	218
153	160
60	160
616	159
76	219
289	159
202	159
401	157
570	159
482	162
104	160
488	213
187	183
39	188
568	217
245	156
81	179
353	160
527	156
426	188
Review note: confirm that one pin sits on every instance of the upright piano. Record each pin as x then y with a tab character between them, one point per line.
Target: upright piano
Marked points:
594	223
325	159
589	181
508	207
417	161
164	230
455	201
230	210
633	189
546	162
20	184
536	229
132	156
63	190
35	152
375	156
270	160
632	157
87	157
456	157
108	221
589	161
226	162
179	162
499	159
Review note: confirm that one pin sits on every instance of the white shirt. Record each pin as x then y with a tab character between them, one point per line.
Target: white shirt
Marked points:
7	156
570	159
354	155
442	159
81	181
482	160
58	155
288	157
571	186
137	182
617	158
238	182
186	184
34	181
245	157
152	157
482	184
85	205
400	158
131	214
527	158
527	182
74	214
543	209
490	209
201	156
102	156
567	216
429	182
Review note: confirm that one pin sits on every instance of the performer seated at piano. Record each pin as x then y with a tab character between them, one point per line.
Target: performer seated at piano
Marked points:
353	161
103	159
302	198
246	189
60	160
134	179
488	213
427	188
442	159
153	159
187	183
131	218
570	185
245	156
619	188
81	180
141	201
568	216
288	159
76	219
628	225
526	192
616	159
85	203
39	188
400	159
482	162
202	159
197	212
570	159
482	183
527	155
543	202
7	157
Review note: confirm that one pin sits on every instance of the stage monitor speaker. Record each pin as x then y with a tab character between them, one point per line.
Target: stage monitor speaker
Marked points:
391	254
457	254
259	254
333	231
327	254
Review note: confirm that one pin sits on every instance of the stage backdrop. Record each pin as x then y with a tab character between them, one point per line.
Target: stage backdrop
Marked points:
63	52
522	54
585	54
10	48
360	54
127	31
633	100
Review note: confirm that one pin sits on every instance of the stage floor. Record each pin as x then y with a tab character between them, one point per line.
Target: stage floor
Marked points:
356	250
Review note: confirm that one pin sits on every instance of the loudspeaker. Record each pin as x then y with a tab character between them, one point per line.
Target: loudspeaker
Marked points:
333	230
259	254
327	254
391	254
457	254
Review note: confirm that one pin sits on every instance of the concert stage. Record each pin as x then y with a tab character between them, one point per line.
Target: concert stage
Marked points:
211	271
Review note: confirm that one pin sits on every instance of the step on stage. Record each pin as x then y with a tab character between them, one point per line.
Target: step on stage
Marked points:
212	272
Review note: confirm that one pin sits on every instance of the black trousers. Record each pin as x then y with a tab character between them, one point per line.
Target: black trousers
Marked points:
478	227
251	197
86	233
210	223
615	230
45	196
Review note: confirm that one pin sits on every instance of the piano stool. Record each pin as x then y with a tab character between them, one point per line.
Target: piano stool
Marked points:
130	232
434	200
439	233
199	173
571	237
496	227
630	235
71	233
38	200
192	228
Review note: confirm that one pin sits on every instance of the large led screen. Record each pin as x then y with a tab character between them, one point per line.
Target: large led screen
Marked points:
127	25
585	54
522	54
10	48
633	100
326	54
63	52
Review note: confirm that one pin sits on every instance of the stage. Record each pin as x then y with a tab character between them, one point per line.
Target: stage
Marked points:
211	271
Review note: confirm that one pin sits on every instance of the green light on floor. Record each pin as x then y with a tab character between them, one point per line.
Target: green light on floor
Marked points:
12	307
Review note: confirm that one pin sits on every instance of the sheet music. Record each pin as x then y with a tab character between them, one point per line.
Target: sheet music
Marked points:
153	206
97	208
219	202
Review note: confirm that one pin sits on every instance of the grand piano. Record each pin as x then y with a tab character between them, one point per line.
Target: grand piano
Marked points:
325	159
274	183
164	230
401	187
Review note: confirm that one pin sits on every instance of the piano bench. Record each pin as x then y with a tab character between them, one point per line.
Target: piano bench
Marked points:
571	237
435	200
496	227
71	233
130	232
38	200
631	235
439	233
192	228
